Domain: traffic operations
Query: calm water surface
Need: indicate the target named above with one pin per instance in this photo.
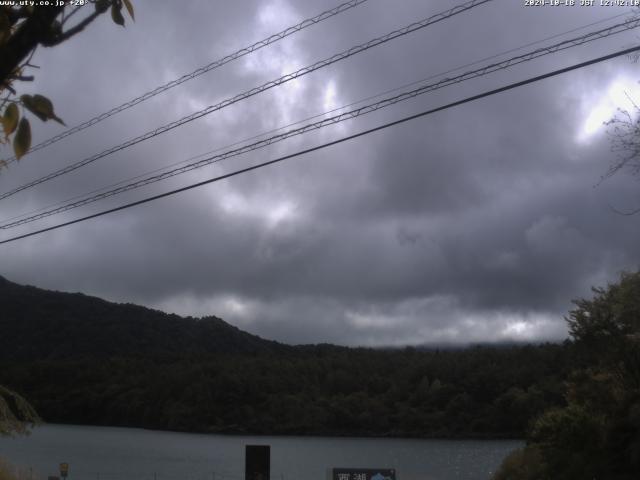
(105, 453)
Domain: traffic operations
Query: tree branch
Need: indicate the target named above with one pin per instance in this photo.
(73, 12)
(72, 31)
(31, 32)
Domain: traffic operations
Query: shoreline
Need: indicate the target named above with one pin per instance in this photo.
(235, 433)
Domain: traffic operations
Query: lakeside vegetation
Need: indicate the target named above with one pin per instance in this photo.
(83, 360)
(597, 434)
(577, 403)
(324, 390)
(11, 472)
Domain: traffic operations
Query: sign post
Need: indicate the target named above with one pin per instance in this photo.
(257, 462)
(64, 470)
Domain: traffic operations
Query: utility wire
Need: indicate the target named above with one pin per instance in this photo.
(334, 142)
(317, 115)
(256, 90)
(332, 120)
(196, 73)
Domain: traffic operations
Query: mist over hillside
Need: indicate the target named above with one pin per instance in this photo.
(84, 360)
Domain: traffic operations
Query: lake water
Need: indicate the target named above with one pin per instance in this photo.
(105, 453)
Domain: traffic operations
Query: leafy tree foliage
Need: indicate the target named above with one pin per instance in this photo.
(11, 472)
(522, 464)
(22, 29)
(16, 414)
(597, 435)
(306, 390)
(86, 361)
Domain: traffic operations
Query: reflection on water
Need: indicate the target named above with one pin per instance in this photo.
(105, 453)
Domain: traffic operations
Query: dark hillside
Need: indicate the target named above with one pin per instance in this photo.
(83, 360)
(47, 325)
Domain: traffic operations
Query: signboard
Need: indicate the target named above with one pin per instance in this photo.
(257, 462)
(363, 474)
(64, 470)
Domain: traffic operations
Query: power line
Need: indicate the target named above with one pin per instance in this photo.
(256, 90)
(333, 120)
(334, 142)
(540, 52)
(317, 115)
(199, 71)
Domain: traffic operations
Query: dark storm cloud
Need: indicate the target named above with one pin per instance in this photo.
(479, 223)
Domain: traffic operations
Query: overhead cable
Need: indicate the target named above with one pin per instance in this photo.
(366, 109)
(197, 72)
(328, 144)
(317, 115)
(256, 90)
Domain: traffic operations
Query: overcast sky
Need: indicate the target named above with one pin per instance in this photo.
(476, 224)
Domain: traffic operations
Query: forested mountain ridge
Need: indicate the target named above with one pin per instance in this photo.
(38, 324)
(83, 360)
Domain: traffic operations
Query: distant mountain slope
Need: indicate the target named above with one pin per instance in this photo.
(42, 324)
(83, 360)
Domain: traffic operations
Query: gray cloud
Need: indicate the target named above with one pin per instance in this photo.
(479, 223)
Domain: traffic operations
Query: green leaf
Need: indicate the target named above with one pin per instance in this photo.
(116, 14)
(59, 120)
(27, 101)
(41, 107)
(127, 3)
(22, 139)
(10, 119)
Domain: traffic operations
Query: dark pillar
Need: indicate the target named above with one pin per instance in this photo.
(257, 462)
